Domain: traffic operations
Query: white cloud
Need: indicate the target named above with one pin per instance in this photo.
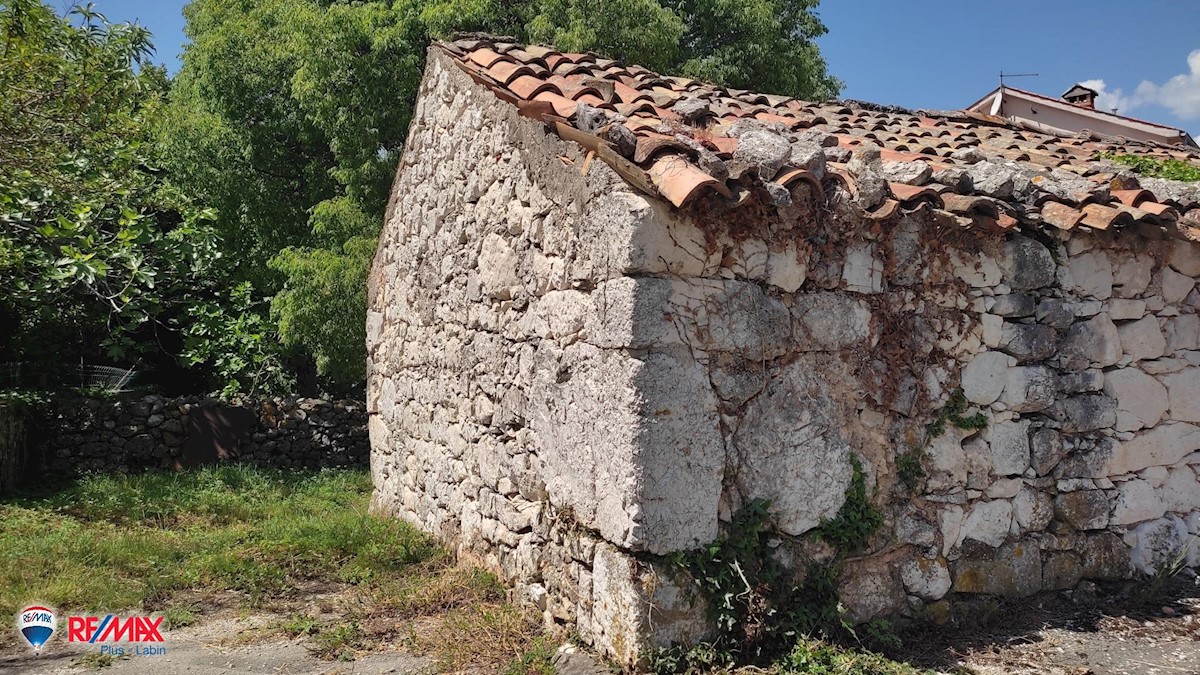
(1180, 94)
(1107, 99)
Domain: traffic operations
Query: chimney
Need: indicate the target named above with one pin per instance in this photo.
(1081, 96)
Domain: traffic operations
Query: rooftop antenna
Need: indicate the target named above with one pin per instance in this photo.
(1004, 75)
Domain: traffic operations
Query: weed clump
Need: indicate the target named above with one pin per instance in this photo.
(858, 518)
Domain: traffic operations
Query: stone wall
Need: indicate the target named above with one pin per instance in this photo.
(569, 380)
(131, 435)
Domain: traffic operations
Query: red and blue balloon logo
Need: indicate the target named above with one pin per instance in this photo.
(37, 625)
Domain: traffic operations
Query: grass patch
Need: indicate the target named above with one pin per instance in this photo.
(339, 643)
(95, 660)
(538, 659)
(815, 657)
(180, 616)
(299, 625)
(128, 542)
(492, 634)
(136, 543)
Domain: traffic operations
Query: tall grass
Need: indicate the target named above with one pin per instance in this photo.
(127, 542)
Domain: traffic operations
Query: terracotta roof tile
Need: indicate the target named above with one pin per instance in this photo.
(484, 56)
(550, 85)
(505, 72)
(1103, 217)
(563, 106)
(910, 194)
(678, 180)
(528, 86)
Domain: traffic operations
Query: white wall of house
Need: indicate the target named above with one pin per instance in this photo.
(1063, 116)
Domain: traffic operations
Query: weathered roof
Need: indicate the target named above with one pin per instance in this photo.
(679, 139)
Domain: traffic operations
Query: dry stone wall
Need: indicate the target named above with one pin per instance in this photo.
(132, 435)
(569, 381)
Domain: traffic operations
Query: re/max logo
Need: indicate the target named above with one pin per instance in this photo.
(92, 629)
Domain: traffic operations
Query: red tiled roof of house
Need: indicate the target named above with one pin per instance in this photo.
(678, 138)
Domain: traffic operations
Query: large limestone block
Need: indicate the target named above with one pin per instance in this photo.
(632, 313)
(983, 379)
(739, 318)
(988, 522)
(1183, 389)
(947, 462)
(1014, 571)
(1105, 557)
(928, 579)
(1142, 339)
(1014, 305)
(1026, 264)
(702, 315)
(1009, 443)
(795, 455)
(1082, 509)
(1045, 450)
(1181, 491)
(1141, 399)
(787, 268)
(951, 522)
(1095, 341)
(1157, 544)
(829, 321)
(870, 589)
(1032, 510)
(1131, 275)
(1029, 388)
(1060, 570)
(498, 268)
(1175, 286)
(681, 453)
(637, 607)
(977, 270)
(632, 446)
(556, 314)
(641, 237)
(1028, 342)
(1125, 310)
(1185, 258)
(1136, 501)
(1183, 332)
(1092, 275)
(862, 271)
(1088, 412)
(1163, 445)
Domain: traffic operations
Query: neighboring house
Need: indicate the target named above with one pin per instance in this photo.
(611, 309)
(1074, 112)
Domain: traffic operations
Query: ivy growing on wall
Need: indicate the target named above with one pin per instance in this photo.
(1156, 167)
(761, 607)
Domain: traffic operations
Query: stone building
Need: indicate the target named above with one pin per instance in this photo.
(610, 309)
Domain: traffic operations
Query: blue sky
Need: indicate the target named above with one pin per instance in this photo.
(947, 54)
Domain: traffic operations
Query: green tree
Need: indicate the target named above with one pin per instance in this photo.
(96, 247)
(289, 117)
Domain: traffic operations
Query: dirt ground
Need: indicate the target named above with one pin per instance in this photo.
(237, 645)
(1107, 632)
(1097, 631)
